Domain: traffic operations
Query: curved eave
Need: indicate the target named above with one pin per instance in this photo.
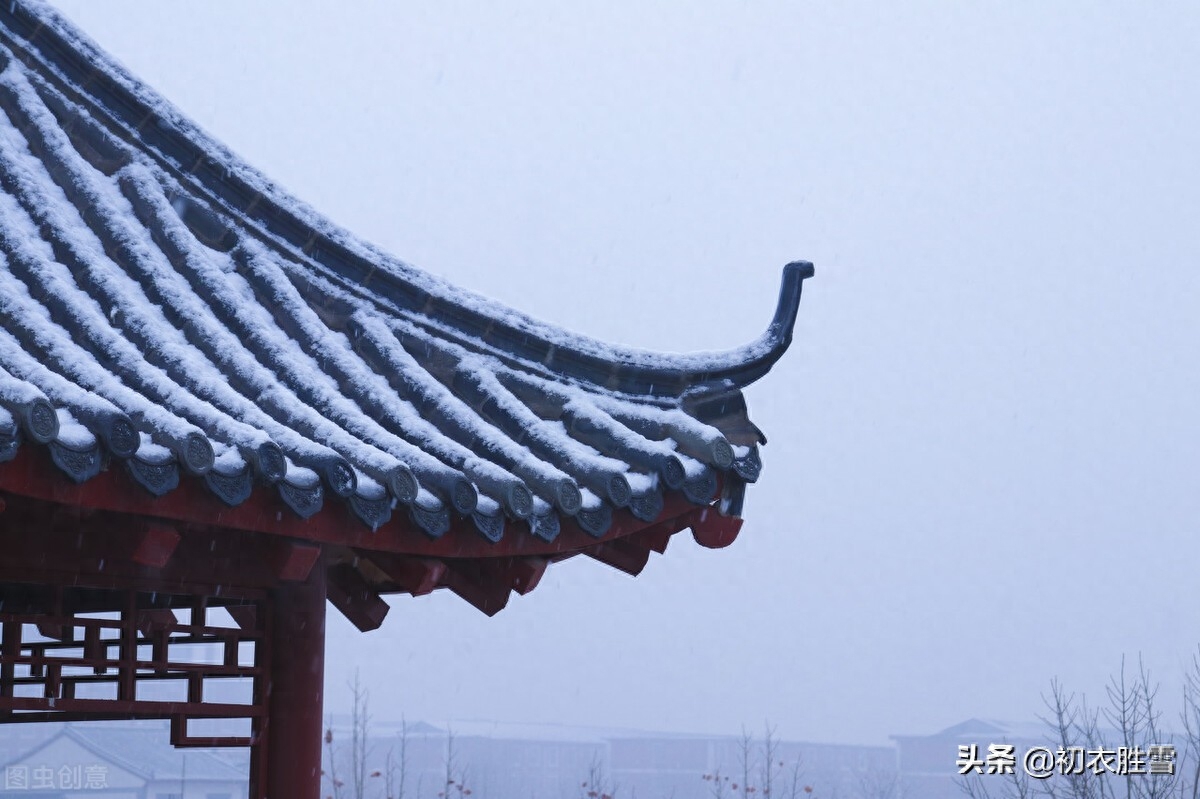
(29, 474)
(185, 344)
(93, 550)
(216, 176)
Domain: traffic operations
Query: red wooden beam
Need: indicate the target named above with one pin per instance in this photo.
(181, 739)
(293, 561)
(656, 536)
(487, 590)
(418, 576)
(355, 598)
(526, 573)
(32, 474)
(621, 554)
(155, 620)
(244, 616)
(57, 632)
(155, 546)
(122, 708)
(109, 549)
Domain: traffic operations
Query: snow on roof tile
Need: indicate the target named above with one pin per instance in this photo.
(167, 307)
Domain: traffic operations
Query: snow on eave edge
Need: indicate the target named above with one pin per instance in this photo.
(576, 357)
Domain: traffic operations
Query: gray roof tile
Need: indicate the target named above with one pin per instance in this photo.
(167, 307)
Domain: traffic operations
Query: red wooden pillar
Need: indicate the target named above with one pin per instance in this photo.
(295, 689)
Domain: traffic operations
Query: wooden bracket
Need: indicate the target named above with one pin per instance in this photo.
(486, 589)
(418, 576)
(621, 554)
(357, 601)
(526, 573)
(292, 561)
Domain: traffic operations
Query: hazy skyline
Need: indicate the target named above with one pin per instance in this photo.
(983, 444)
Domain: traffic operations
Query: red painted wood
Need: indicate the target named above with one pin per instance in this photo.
(357, 601)
(156, 546)
(244, 616)
(527, 573)
(32, 474)
(713, 530)
(110, 533)
(418, 576)
(295, 690)
(293, 561)
(69, 709)
(488, 589)
(621, 555)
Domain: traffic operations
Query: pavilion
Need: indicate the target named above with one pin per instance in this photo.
(215, 403)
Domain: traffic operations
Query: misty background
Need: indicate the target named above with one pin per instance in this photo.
(983, 444)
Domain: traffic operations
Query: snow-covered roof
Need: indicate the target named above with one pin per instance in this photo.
(169, 311)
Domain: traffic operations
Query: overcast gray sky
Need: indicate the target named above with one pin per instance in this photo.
(983, 445)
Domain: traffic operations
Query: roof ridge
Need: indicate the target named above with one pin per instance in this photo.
(169, 310)
(207, 167)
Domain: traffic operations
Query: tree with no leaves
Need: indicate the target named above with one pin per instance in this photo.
(359, 782)
(360, 719)
(597, 785)
(1130, 720)
(763, 772)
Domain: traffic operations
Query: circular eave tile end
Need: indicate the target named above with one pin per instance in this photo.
(122, 437)
(619, 490)
(464, 497)
(569, 498)
(403, 484)
(520, 501)
(722, 454)
(40, 421)
(196, 454)
(269, 462)
(673, 473)
(339, 475)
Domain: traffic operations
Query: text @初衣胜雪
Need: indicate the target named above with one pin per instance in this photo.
(1043, 762)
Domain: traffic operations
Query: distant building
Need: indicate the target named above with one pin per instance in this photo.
(212, 398)
(548, 761)
(113, 761)
(495, 760)
(927, 762)
(680, 766)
